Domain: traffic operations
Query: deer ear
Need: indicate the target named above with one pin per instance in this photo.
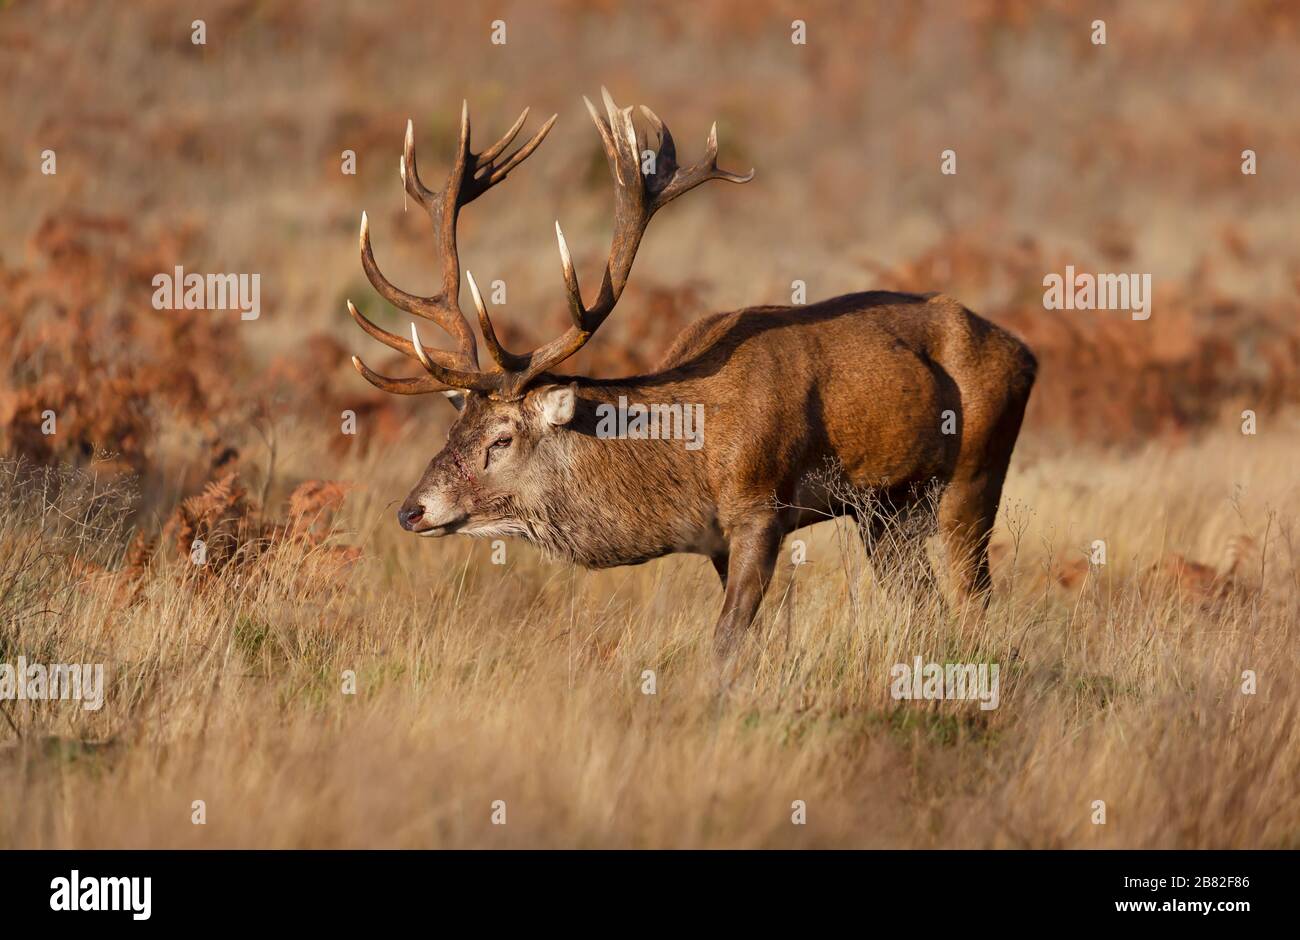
(457, 398)
(559, 402)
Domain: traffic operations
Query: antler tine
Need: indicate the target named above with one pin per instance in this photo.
(491, 153)
(576, 310)
(506, 361)
(452, 377)
(419, 385)
(522, 154)
(606, 138)
(621, 127)
(666, 161)
(410, 173)
(392, 341)
(685, 179)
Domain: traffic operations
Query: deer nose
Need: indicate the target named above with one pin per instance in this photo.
(408, 516)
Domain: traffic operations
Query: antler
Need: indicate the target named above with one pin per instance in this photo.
(472, 174)
(637, 197)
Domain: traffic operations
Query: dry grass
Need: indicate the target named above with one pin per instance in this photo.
(522, 682)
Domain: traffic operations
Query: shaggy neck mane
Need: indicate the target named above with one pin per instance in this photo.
(615, 501)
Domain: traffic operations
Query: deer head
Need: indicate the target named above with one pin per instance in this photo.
(513, 416)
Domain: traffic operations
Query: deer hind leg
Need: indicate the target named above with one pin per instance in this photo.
(754, 547)
(966, 516)
(969, 508)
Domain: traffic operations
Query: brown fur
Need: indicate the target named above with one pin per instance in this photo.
(859, 382)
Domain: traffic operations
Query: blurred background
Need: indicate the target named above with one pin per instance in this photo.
(522, 681)
(226, 157)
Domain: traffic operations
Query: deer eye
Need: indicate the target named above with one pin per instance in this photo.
(500, 444)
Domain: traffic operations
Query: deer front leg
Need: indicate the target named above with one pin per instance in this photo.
(754, 546)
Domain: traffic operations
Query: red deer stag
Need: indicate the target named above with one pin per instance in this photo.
(864, 382)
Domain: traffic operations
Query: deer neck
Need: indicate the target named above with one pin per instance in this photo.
(609, 499)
